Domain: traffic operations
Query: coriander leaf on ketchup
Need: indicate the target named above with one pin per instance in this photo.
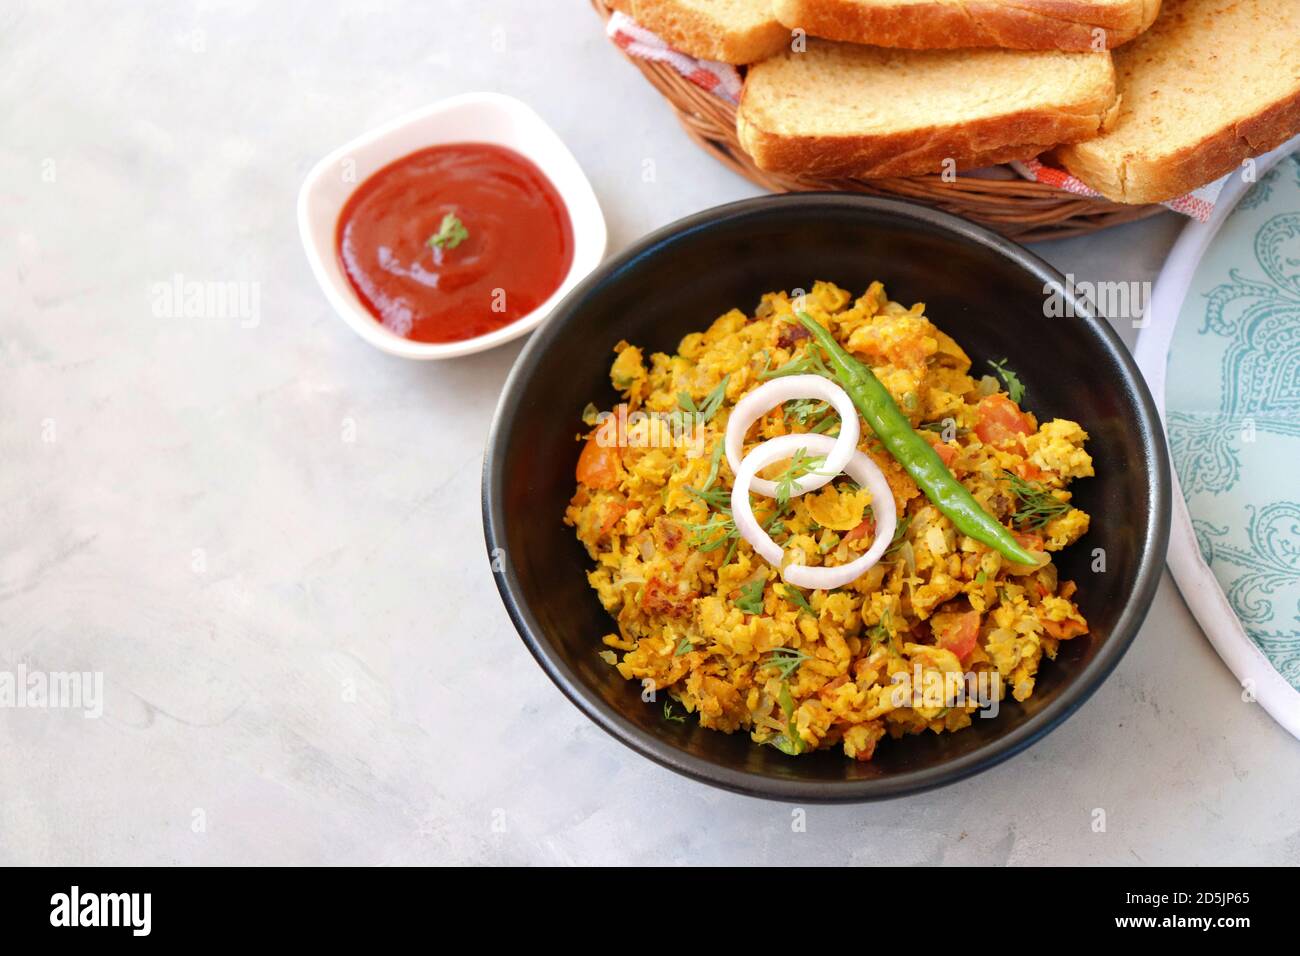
(450, 234)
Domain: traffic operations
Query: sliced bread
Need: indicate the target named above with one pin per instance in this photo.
(842, 109)
(1078, 25)
(1211, 84)
(732, 31)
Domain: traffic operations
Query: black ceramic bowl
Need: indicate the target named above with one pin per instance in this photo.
(985, 291)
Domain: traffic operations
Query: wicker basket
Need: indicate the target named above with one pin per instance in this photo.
(1024, 210)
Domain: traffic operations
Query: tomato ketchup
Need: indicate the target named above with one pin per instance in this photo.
(455, 241)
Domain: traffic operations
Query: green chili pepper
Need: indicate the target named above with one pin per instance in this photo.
(911, 450)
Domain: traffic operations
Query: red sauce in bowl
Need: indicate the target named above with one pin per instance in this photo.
(455, 241)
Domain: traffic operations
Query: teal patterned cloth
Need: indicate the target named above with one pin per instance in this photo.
(1233, 403)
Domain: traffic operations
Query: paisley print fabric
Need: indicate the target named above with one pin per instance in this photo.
(1234, 412)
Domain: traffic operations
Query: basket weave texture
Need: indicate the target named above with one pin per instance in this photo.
(1018, 208)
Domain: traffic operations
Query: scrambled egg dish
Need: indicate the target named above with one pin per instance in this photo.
(711, 626)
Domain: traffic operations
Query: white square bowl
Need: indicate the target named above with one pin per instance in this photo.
(470, 118)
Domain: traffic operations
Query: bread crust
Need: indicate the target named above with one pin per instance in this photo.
(1068, 25)
(694, 32)
(1148, 179)
(970, 144)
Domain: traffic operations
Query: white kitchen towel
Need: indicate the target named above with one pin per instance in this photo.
(720, 79)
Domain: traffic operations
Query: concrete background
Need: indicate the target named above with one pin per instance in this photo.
(303, 653)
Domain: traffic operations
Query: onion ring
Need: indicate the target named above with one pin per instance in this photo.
(771, 394)
(860, 468)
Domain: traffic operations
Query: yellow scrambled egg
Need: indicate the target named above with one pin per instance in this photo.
(941, 626)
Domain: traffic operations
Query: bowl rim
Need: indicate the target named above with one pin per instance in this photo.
(1150, 562)
(561, 169)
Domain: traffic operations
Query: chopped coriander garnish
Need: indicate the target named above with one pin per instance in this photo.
(719, 498)
(785, 660)
(714, 461)
(1038, 506)
(713, 400)
(801, 464)
(707, 408)
(810, 362)
(669, 715)
(795, 597)
(881, 633)
(1015, 388)
(451, 233)
(751, 596)
(683, 646)
(721, 528)
(774, 526)
(900, 532)
(713, 533)
(802, 410)
(815, 415)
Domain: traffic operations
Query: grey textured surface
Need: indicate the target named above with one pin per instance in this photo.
(304, 656)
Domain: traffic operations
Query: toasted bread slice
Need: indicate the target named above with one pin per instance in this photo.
(1211, 84)
(841, 109)
(1075, 25)
(732, 31)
